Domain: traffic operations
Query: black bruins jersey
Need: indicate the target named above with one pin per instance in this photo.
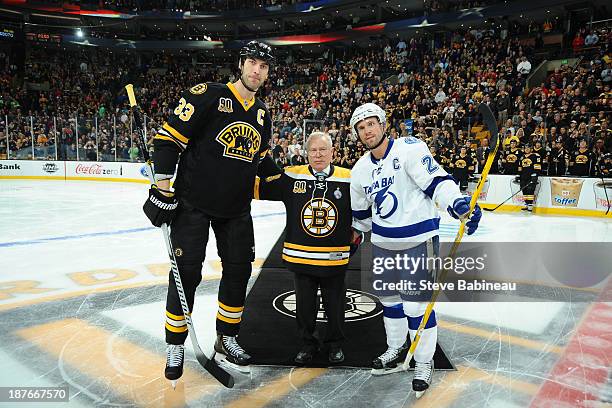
(511, 160)
(318, 231)
(221, 139)
(544, 155)
(581, 162)
(530, 164)
(462, 166)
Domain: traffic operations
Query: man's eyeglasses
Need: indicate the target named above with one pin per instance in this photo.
(322, 151)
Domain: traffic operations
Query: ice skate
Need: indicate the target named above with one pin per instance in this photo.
(388, 362)
(175, 357)
(230, 354)
(422, 377)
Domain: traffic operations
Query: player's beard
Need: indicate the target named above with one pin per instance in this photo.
(373, 145)
(245, 83)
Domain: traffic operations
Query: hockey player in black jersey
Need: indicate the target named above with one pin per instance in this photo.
(530, 167)
(220, 132)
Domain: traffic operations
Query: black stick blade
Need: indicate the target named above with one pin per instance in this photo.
(215, 370)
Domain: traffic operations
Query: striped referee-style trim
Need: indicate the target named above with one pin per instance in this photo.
(316, 262)
(316, 248)
(175, 323)
(167, 132)
(229, 314)
(316, 255)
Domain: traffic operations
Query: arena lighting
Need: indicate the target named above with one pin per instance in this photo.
(79, 33)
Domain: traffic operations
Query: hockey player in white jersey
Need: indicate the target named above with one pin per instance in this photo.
(394, 191)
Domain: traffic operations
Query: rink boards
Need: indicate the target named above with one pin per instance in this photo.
(554, 195)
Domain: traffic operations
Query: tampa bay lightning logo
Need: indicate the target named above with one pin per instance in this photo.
(144, 171)
(385, 203)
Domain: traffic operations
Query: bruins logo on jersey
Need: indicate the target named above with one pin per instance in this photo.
(511, 158)
(460, 164)
(319, 217)
(581, 159)
(199, 89)
(526, 163)
(241, 141)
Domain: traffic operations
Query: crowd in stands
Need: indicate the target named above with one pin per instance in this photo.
(172, 5)
(432, 94)
(193, 5)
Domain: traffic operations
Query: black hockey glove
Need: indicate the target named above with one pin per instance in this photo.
(159, 208)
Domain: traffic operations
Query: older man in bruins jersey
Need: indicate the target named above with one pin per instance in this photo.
(317, 241)
(221, 134)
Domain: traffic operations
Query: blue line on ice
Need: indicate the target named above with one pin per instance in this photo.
(98, 234)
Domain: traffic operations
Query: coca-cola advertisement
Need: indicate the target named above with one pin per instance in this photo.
(98, 169)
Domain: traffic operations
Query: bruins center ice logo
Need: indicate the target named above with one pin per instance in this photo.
(319, 217)
(359, 306)
(241, 141)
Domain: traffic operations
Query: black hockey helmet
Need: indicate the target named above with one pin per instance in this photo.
(259, 50)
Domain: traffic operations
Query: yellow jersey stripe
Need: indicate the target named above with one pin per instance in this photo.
(317, 262)
(176, 329)
(176, 142)
(228, 319)
(341, 172)
(316, 248)
(175, 317)
(243, 102)
(302, 169)
(262, 154)
(231, 308)
(272, 178)
(175, 133)
(256, 189)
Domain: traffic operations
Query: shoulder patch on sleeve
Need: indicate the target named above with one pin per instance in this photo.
(274, 177)
(411, 140)
(198, 89)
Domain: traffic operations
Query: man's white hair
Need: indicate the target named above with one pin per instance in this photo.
(320, 135)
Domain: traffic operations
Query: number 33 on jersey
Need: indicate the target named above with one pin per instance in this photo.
(221, 138)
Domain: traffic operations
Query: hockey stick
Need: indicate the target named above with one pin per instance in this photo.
(507, 199)
(208, 363)
(603, 183)
(489, 120)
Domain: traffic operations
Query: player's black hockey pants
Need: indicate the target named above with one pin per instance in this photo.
(528, 185)
(236, 248)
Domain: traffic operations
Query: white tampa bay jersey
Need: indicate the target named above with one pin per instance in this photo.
(395, 196)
